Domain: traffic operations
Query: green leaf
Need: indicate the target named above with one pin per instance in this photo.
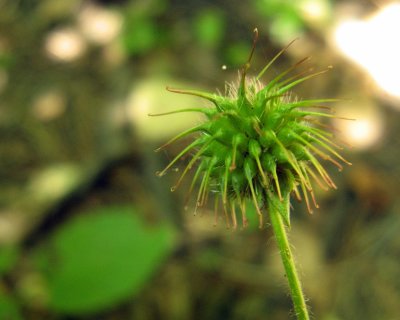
(284, 16)
(140, 36)
(209, 27)
(9, 308)
(100, 258)
(237, 53)
(8, 257)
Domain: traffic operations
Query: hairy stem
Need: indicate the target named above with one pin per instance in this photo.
(274, 207)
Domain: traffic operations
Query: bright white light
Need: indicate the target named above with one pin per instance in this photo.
(314, 9)
(359, 130)
(65, 45)
(363, 132)
(373, 43)
(99, 25)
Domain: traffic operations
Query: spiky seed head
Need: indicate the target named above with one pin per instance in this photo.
(258, 142)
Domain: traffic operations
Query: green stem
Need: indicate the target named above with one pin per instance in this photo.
(274, 207)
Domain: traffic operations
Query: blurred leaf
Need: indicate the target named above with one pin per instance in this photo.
(9, 308)
(98, 259)
(275, 8)
(8, 257)
(209, 26)
(237, 54)
(54, 182)
(150, 96)
(140, 35)
(287, 27)
(6, 60)
(285, 18)
(150, 7)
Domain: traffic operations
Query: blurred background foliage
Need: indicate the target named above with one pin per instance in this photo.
(87, 231)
